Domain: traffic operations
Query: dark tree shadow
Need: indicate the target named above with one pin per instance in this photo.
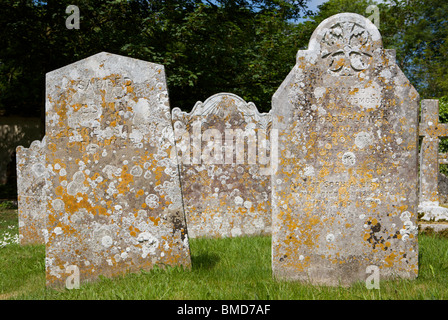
(204, 260)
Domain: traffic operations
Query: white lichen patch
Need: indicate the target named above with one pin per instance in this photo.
(363, 139)
(109, 169)
(152, 201)
(349, 159)
(364, 154)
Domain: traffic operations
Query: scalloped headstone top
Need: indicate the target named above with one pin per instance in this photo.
(220, 144)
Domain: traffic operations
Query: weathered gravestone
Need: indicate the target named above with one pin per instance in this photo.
(443, 180)
(345, 191)
(224, 153)
(431, 130)
(32, 192)
(115, 199)
(443, 188)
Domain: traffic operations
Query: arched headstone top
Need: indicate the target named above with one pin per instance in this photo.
(346, 43)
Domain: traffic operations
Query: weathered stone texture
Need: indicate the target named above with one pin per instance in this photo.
(345, 192)
(443, 188)
(32, 192)
(115, 199)
(431, 130)
(224, 153)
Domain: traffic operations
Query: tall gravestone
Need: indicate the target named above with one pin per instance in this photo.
(224, 152)
(345, 192)
(32, 192)
(115, 203)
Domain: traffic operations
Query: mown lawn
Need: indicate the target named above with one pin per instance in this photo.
(238, 268)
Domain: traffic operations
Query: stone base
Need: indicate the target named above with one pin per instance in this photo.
(436, 227)
(432, 211)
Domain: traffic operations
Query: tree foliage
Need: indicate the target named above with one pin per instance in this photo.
(246, 47)
(239, 46)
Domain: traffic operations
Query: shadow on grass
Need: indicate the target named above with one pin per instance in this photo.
(204, 261)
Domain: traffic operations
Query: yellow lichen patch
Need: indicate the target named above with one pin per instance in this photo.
(126, 181)
(155, 220)
(92, 140)
(59, 190)
(389, 259)
(52, 147)
(100, 210)
(139, 193)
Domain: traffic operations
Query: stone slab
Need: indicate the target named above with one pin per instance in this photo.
(224, 152)
(32, 192)
(345, 192)
(435, 227)
(115, 202)
(432, 211)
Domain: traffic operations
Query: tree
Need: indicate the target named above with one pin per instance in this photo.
(206, 46)
(418, 30)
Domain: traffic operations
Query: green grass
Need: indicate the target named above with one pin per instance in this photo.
(232, 268)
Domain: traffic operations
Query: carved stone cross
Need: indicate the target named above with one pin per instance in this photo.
(431, 130)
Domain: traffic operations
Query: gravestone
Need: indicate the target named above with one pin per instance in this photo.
(345, 192)
(443, 181)
(115, 203)
(431, 130)
(224, 153)
(31, 192)
(443, 188)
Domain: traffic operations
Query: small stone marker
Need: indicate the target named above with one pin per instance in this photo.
(431, 130)
(224, 152)
(31, 192)
(345, 192)
(115, 199)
